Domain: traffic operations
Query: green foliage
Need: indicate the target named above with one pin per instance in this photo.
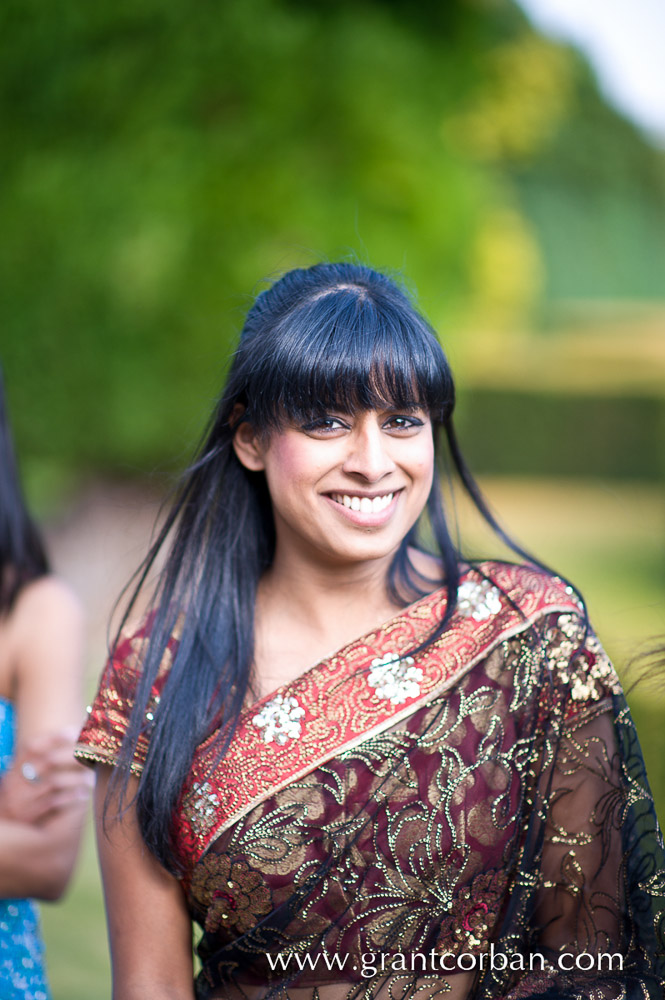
(159, 159)
(540, 434)
(598, 206)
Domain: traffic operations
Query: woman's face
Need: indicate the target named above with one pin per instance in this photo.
(347, 487)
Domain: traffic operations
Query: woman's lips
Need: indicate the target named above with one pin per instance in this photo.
(364, 504)
(363, 510)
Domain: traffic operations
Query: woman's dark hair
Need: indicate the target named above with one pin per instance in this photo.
(339, 337)
(22, 556)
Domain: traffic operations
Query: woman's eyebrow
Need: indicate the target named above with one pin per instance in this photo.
(410, 405)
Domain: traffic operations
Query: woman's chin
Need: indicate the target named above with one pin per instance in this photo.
(367, 549)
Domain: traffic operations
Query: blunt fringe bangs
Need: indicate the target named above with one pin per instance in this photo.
(354, 342)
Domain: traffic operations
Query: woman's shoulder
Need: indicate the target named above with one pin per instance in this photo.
(109, 714)
(527, 586)
(133, 640)
(557, 639)
(49, 600)
(44, 629)
(128, 656)
(491, 588)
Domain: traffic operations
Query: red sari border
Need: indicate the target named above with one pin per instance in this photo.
(341, 709)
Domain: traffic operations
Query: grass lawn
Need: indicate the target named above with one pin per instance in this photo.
(608, 538)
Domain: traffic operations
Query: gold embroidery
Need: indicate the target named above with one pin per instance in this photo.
(578, 661)
(234, 895)
(472, 914)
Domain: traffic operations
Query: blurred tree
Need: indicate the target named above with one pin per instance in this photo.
(157, 160)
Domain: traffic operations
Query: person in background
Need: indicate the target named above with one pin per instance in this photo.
(365, 765)
(43, 791)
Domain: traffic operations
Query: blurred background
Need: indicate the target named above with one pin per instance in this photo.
(161, 161)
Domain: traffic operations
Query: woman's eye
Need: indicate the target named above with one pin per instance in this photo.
(403, 423)
(323, 425)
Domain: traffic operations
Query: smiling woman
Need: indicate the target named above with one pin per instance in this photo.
(364, 767)
(368, 470)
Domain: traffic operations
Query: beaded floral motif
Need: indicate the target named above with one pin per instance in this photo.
(204, 804)
(586, 668)
(562, 640)
(280, 720)
(394, 679)
(472, 915)
(478, 600)
(591, 676)
(233, 893)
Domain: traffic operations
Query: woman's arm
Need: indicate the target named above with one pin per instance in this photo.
(37, 861)
(149, 928)
(41, 820)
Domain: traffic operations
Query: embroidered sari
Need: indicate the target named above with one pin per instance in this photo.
(470, 822)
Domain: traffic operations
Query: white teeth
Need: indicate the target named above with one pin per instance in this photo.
(364, 504)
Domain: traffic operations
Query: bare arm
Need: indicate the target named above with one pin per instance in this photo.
(149, 928)
(37, 861)
(41, 820)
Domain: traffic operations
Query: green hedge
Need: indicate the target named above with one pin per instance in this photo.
(554, 434)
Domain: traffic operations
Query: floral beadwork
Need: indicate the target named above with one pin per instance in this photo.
(472, 915)
(562, 640)
(280, 720)
(478, 600)
(234, 894)
(203, 806)
(591, 676)
(580, 662)
(394, 679)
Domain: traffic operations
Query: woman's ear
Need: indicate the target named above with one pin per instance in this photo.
(249, 447)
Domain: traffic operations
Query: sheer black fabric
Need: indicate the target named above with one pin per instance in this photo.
(501, 842)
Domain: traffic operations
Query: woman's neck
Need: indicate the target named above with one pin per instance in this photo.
(318, 595)
(304, 614)
(306, 610)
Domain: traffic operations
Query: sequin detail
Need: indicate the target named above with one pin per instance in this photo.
(280, 720)
(394, 679)
(234, 894)
(472, 915)
(585, 669)
(203, 805)
(478, 600)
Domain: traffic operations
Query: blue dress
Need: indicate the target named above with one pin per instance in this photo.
(22, 975)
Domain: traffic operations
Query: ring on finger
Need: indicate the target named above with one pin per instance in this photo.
(29, 771)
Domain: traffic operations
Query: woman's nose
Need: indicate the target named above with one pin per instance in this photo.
(369, 454)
